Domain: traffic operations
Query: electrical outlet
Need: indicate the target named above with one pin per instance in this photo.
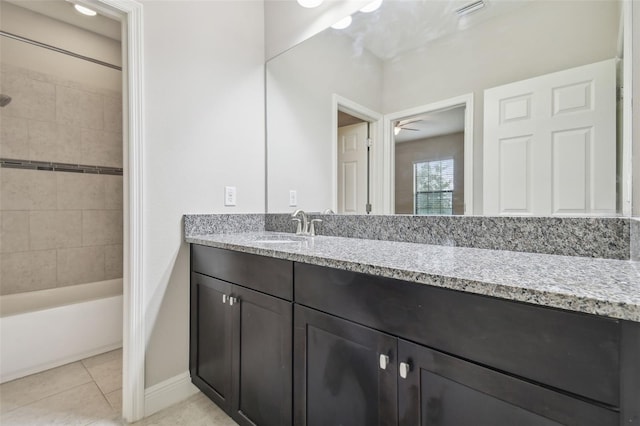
(293, 198)
(229, 195)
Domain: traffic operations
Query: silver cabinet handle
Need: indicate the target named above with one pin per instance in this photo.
(232, 300)
(384, 361)
(224, 298)
(404, 369)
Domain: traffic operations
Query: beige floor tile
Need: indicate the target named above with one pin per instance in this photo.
(106, 370)
(30, 389)
(81, 405)
(115, 399)
(198, 410)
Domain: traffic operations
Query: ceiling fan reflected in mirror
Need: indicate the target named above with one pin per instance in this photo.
(401, 125)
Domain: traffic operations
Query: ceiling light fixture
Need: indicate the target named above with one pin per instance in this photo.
(309, 4)
(471, 7)
(343, 23)
(85, 10)
(374, 5)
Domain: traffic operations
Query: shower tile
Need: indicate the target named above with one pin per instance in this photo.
(24, 391)
(14, 231)
(49, 141)
(80, 191)
(106, 370)
(79, 108)
(112, 192)
(31, 98)
(113, 261)
(55, 229)
(113, 114)
(100, 227)
(80, 265)
(81, 405)
(13, 137)
(27, 271)
(101, 148)
(68, 145)
(42, 140)
(27, 189)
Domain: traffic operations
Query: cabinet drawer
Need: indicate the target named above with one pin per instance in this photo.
(574, 352)
(264, 274)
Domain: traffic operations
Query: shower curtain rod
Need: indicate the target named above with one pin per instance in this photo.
(57, 49)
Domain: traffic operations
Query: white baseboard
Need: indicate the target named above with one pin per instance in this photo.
(168, 392)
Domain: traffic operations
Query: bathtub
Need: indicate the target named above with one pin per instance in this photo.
(43, 329)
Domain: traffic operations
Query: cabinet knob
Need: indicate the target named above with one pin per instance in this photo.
(232, 300)
(384, 361)
(224, 298)
(404, 369)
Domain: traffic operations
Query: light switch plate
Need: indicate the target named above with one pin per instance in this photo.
(293, 198)
(229, 195)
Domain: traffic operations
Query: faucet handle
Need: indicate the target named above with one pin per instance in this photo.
(299, 226)
(312, 226)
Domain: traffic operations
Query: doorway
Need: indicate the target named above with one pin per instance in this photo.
(355, 157)
(429, 159)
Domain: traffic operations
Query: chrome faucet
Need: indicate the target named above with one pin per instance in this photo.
(303, 222)
(305, 226)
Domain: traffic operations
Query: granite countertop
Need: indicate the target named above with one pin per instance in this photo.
(596, 286)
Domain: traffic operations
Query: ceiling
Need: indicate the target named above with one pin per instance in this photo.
(432, 124)
(64, 11)
(398, 26)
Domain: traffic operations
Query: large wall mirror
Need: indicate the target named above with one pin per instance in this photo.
(455, 107)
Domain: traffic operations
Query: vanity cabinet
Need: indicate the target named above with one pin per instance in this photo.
(458, 358)
(339, 347)
(241, 339)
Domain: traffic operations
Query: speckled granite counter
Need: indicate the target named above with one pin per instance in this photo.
(596, 286)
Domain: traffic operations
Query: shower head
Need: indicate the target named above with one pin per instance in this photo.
(4, 100)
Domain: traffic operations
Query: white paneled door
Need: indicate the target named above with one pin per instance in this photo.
(352, 169)
(550, 144)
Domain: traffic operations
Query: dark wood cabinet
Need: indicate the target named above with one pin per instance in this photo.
(334, 347)
(438, 389)
(211, 333)
(241, 348)
(339, 376)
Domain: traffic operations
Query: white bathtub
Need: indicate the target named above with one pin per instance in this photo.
(48, 328)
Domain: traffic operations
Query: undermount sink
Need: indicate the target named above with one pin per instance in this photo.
(280, 239)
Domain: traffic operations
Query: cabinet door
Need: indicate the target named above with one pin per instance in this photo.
(338, 375)
(261, 360)
(210, 352)
(446, 391)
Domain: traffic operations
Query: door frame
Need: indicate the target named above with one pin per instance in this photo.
(129, 13)
(340, 103)
(389, 160)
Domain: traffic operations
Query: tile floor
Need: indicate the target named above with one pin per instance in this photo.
(89, 392)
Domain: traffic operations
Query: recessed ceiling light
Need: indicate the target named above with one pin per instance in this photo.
(85, 10)
(471, 7)
(310, 3)
(343, 23)
(374, 5)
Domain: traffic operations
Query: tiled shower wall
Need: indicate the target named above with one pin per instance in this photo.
(59, 228)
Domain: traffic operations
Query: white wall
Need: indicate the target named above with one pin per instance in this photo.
(300, 86)
(204, 129)
(636, 109)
